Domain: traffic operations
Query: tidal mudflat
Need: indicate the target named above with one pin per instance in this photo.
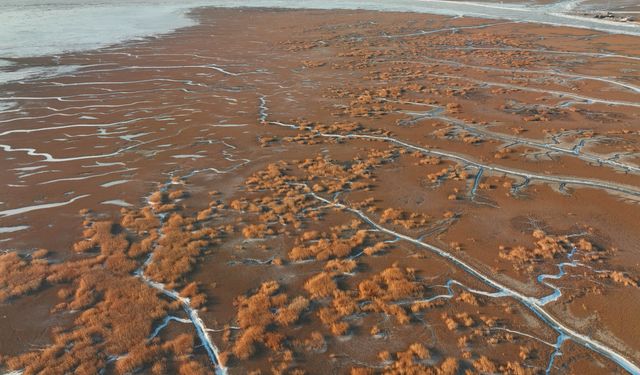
(325, 191)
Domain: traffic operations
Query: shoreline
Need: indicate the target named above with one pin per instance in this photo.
(534, 14)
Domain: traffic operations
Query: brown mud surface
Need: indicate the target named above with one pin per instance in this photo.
(352, 192)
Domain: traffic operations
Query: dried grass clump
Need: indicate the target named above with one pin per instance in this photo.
(365, 106)
(257, 231)
(194, 368)
(156, 356)
(20, 275)
(392, 284)
(449, 322)
(205, 214)
(177, 249)
(182, 345)
(344, 303)
(290, 313)
(339, 328)
(177, 194)
(415, 353)
(255, 310)
(284, 205)
(619, 278)
(331, 319)
(196, 299)
(469, 139)
(503, 153)
(469, 298)
(339, 127)
(465, 320)
(288, 205)
(449, 366)
(239, 205)
(267, 140)
(259, 314)
(138, 356)
(115, 310)
(425, 305)
(414, 361)
(158, 197)
(330, 245)
(453, 108)
(144, 246)
(320, 286)
(140, 221)
(400, 217)
(117, 315)
(450, 173)
(273, 177)
(340, 266)
(245, 346)
(111, 240)
(396, 311)
(391, 214)
(547, 247)
(315, 343)
(40, 254)
(584, 245)
(332, 176)
(378, 294)
(425, 159)
(375, 249)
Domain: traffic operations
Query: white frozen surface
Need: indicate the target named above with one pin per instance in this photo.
(35, 72)
(38, 28)
(13, 229)
(118, 202)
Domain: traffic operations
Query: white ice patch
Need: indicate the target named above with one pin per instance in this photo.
(13, 229)
(27, 169)
(37, 28)
(189, 156)
(131, 137)
(5, 63)
(114, 183)
(5, 106)
(118, 202)
(23, 210)
(33, 72)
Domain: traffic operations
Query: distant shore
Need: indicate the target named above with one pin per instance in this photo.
(28, 29)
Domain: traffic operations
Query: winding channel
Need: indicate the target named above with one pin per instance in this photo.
(535, 305)
(437, 114)
(194, 318)
(631, 191)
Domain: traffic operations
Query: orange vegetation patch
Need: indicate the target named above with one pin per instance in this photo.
(330, 245)
(258, 316)
(115, 311)
(177, 248)
(403, 218)
(548, 247)
(20, 275)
